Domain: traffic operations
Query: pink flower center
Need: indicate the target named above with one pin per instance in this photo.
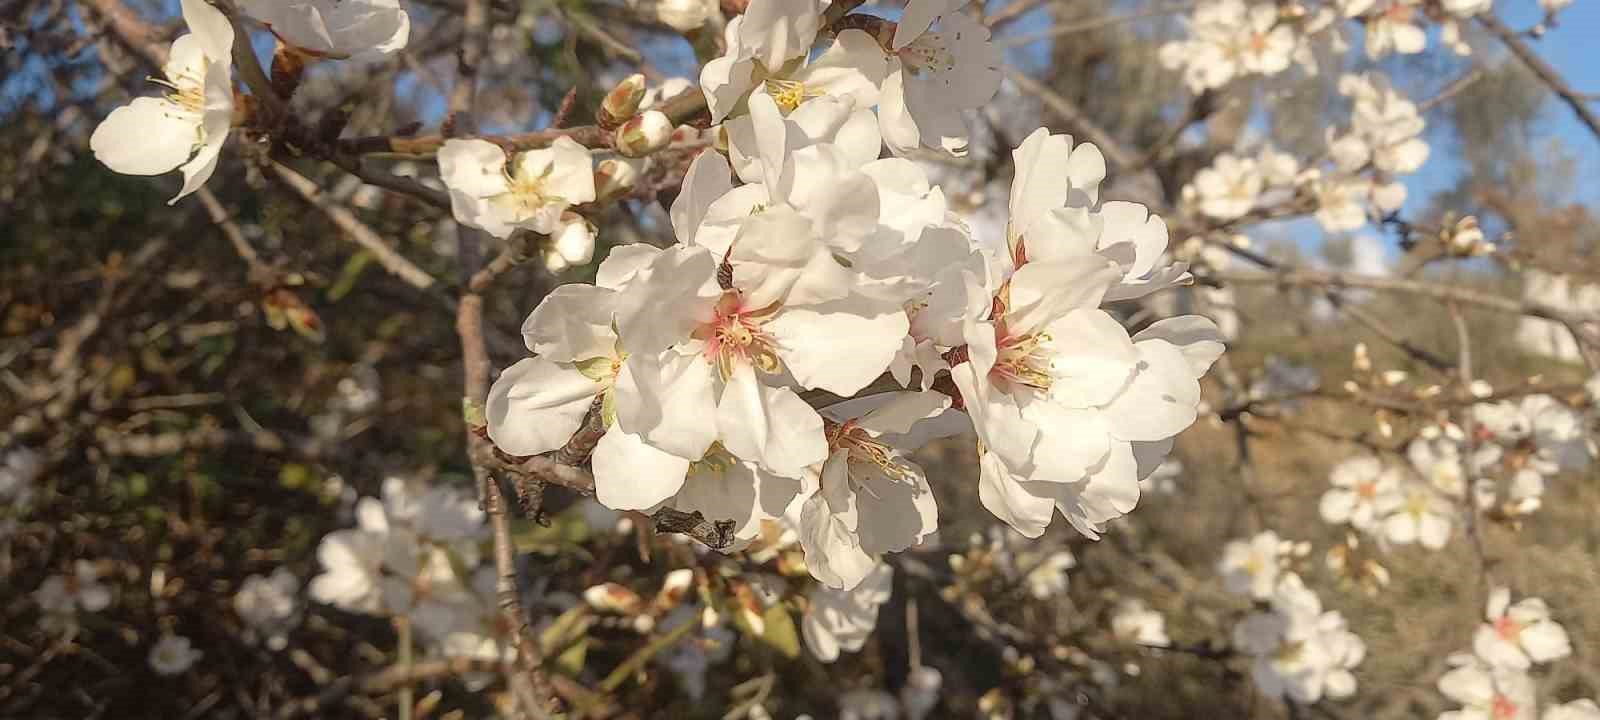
(1501, 708)
(1507, 628)
(737, 334)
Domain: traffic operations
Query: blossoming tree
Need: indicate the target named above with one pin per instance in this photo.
(817, 341)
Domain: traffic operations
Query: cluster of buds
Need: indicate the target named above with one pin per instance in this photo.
(1464, 238)
(635, 134)
(1355, 567)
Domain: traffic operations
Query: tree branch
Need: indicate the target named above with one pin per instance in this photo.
(1542, 69)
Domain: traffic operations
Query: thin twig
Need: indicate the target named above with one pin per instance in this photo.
(1116, 155)
(1543, 70)
(1465, 296)
(352, 226)
(1098, 23)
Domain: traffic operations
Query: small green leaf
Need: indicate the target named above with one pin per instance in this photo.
(348, 277)
(472, 413)
(571, 661)
(294, 476)
(598, 369)
(780, 632)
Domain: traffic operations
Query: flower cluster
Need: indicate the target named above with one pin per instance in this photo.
(1300, 652)
(1382, 143)
(1492, 681)
(1229, 39)
(806, 264)
(185, 128)
(20, 468)
(416, 554)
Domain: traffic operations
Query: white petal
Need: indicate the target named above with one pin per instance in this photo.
(769, 426)
(572, 323)
(841, 346)
(708, 178)
(149, 136)
(629, 474)
(668, 399)
(535, 406)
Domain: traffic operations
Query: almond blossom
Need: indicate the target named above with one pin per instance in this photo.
(1231, 38)
(1386, 127)
(1392, 25)
(1056, 420)
(840, 620)
(268, 606)
(768, 51)
(1518, 635)
(1362, 488)
(61, 597)
(936, 75)
(173, 655)
(529, 190)
(186, 127)
(1301, 652)
(1584, 709)
(1418, 514)
(1252, 567)
(1487, 692)
(1134, 622)
(334, 28)
(1227, 189)
(870, 499)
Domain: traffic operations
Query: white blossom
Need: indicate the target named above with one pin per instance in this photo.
(1228, 188)
(1418, 514)
(1584, 709)
(1134, 622)
(173, 655)
(334, 28)
(933, 76)
(60, 597)
(768, 51)
(1251, 567)
(1392, 25)
(528, 190)
(1074, 424)
(1362, 488)
(268, 605)
(841, 620)
(1518, 635)
(1486, 692)
(1048, 576)
(1301, 652)
(185, 128)
(870, 500)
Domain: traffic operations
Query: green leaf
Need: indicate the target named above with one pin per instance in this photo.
(597, 369)
(348, 277)
(294, 476)
(472, 413)
(571, 661)
(780, 633)
(568, 531)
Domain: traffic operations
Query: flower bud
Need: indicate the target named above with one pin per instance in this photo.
(574, 240)
(622, 103)
(644, 134)
(614, 178)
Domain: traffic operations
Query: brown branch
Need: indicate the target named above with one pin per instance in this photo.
(352, 226)
(1116, 155)
(1543, 70)
(261, 274)
(1443, 293)
(684, 108)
